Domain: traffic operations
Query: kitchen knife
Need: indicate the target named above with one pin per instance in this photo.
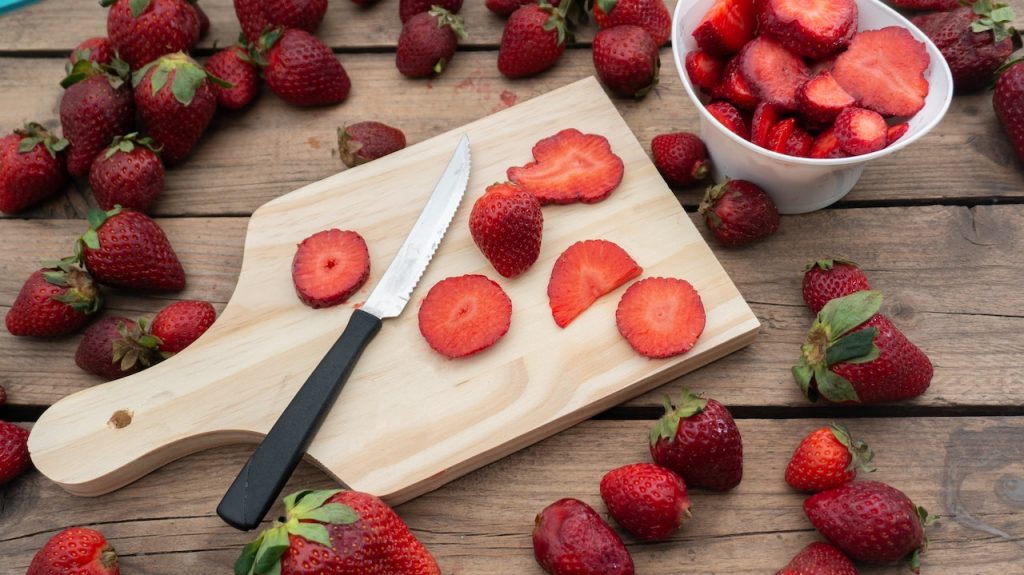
(264, 475)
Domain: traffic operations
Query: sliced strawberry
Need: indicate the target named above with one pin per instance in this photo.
(826, 145)
(329, 266)
(884, 71)
(703, 69)
(822, 98)
(584, 272)
(860, 131)
(570, 167)
(778, 137)
(734, 87)
(765, 117)
(773, 72)
(730, 117)
(660, 317)
(464, 315)
(799, 143)
(811, 28)
(726, 27)
(896, 132)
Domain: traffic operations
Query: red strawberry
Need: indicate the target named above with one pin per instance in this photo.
(648, 500)
(698, 439)
(181, 323)
(1008, 102)
(774, 73)
(31, 168)
(259, 16)
(337, 532)
(828, 457)
(729, 117)
(819, 559)
(143, 30)
(506, 7)
(799, 143)
(506, 224)
(826, 145)
(584, 272)
(570, 538)
(533, 41)
(822, 98)
(884, 71)
(815, 29)
(975, 42)
(97, 49)
(626, 60)
(681, 158)
(96, 106)
(53, 301)
(301, 70)
(704, 70)
(765, 117)
(129, 173)
(871, 522)
(409, 8)
(860, 131)
(854, 354)
(570, 167)
(778, 136)
(234, 66)
(77, 551)
(651, 15)
(831, 278)
(329, 267)
(174, 96)
(726, 27)
(14, 458)
(464, 315)
(660, 317)
(895, 132)
(364, 141)
(114, 347)
(739, 212)
(428, 42)
(126, 249)
(735, 88)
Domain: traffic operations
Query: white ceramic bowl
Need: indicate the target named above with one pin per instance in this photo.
(801, 185)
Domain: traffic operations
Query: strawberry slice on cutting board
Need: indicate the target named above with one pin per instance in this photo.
(583, 273)
(570, 167)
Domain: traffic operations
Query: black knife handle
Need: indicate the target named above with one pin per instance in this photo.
(268, 469)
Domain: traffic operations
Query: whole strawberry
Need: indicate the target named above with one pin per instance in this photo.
(180, 324)
(340, 533)
(854, 354)
(96, 106)
(114, 347)
(300, 69)
(259, 16)
(533, 41)
(506, 224)
(364, 141)
(698, 439)
(830, 278)
(409, 8)
(428, 42)
(143, 30)
(739, 212)
(174, 96)
(828, 457)
(1008, 102)
(507, 7)
(570, 538)
(648, 500)
(974, 40)
(234, 66)
(126, 249)
(129, 173)
(97, 49)
(77, 551)
(681, 158)
(651, 15)
(626, 60)
(871, 522)
(14, 458)
(32, 168)
(819, 559)
(54, 301)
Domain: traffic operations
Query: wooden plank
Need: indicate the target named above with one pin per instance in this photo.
(964, 469)
(951, 276)
(252, 157)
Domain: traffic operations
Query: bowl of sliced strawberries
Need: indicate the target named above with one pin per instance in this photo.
(799, 95)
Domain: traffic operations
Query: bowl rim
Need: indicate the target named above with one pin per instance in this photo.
(937, 63)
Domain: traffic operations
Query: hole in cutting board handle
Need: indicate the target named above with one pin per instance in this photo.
(122, 418)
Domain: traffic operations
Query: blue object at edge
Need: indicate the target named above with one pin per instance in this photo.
(8, 5)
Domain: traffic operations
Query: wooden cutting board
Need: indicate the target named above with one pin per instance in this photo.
(409, 420)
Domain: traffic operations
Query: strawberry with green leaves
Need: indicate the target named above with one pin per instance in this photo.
(54, 301)
(181, 323)
(533, 40)
(301, 69)
(32, 167)
(258, 16)
(234, 66)
(98, 49)
(830, 278)
(75, 551)
(409, 8)
(428, 42)
(129, 173)
(96, 106)
(651, 15)
(143, 30)
(126, 249)
(114, 347)
(699, 440)
(828, 457)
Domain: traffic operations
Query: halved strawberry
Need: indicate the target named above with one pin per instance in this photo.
(822, 98)
(464, 315)
(703, 69)
(773, 72)
(730, 117)
(860, 131)
(799, 143)
(778, 137)
(584, 272)
(826, 145)
(726, 27)
(896, 132)
(811, 28)
(660, 317)
(330, 266)
(884, 71)
(765, 117)
(570, 167)
(734, 87)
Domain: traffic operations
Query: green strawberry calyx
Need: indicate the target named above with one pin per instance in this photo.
(259, 50)
(116, 72)
(307, 515)
(687, 406)
(137, 6)
(860, 454)
(137, 344)
(557, 21)
(34, 134)
(453, 21)
(707, 204)
(82, 294)
(826, 264)
(349, 148)
(996, 18)
(926, 521)
(91, 239)
(127, 143)
(188, 77)
(830, 342)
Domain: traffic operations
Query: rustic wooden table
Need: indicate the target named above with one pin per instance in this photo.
(939, 227)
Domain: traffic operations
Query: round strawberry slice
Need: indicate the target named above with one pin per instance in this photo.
(330, 266)
(772, 71)
(584, 272)
(464, 315)
(860, 131)
(660, 317)
(812, 28)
